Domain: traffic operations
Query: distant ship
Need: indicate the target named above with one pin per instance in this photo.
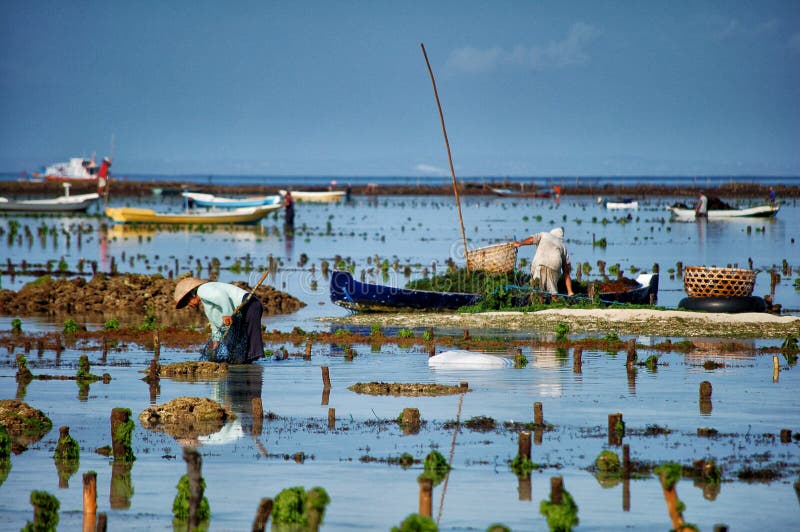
(77, 169)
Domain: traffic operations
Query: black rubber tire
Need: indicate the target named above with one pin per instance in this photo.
(731, 305)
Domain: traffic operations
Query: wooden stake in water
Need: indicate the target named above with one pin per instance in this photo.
(331, 418)
(262, 515)
(614, 435)
(258, 415)
(326, 378)
(425, 496)
(89, 501)
(525, 445)
(194, 464)
(538, 414)
(556, 490)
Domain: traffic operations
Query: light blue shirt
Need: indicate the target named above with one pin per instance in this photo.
(219, 299)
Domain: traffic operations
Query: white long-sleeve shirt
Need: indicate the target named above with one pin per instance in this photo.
(219, 299)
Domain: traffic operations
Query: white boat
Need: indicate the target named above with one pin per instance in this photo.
(65, 203)
(315, 195)
(759, 211)
(209, 200)
(76, 169)
(626, 203)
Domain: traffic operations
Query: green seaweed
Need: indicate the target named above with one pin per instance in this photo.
(560, 517)
(180, 505)
(522, 466)
(416, 523)
(45, 513)
(124, 435)
(5, 443)
(436, 467)
(289, 506)
(670, 474)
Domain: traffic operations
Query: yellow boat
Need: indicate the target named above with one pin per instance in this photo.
(244, 215)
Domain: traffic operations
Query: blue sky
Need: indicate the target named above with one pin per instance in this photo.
(528, 88)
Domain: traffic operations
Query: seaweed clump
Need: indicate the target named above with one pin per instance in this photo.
(296, 506)
(561, 517)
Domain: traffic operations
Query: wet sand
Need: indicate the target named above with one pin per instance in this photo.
(627, 321)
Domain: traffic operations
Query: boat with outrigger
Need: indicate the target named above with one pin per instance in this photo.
(360, 296)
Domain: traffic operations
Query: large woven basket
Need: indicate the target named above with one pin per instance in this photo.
(497, 258)
(704, 281)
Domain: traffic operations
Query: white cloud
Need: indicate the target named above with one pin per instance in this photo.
(569, 51)
(427, 169)
(723, 28)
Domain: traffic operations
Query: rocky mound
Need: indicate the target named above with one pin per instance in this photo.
(187, 417)
(134, 296)
(25, 424)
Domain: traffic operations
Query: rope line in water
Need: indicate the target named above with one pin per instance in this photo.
(450, 459)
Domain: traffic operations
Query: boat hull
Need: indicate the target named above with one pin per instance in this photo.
(210, 200)
(508, 193)
(640, 295)
(345, 291)
(76, 203)
(316, 196)
(249, 215)
(760, 211)
(613, 205)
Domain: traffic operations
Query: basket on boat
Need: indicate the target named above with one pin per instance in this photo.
(497, 258)
(704, 281)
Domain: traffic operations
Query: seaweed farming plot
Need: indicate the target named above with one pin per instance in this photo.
(360, 450)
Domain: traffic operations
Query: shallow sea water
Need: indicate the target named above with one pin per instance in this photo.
(241, 467)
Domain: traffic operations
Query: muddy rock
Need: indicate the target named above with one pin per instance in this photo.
(191, 371)
(187, 418)
(129, 298)
(25, 424)
(405, 389)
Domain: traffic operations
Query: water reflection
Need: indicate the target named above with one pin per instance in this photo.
(237, 390)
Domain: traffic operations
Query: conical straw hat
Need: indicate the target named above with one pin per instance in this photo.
(184, 288)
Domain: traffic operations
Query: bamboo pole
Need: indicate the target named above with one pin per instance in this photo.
(449, 155)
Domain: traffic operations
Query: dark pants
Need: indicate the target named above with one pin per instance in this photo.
(252, 312)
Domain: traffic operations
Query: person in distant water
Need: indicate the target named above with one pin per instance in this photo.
(550, 260)
(102, 175)
(219, 301)
(771, 196)
(701, 209)
(288, 208)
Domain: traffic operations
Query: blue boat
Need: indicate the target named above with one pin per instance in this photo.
(201, 199)
(366, 297)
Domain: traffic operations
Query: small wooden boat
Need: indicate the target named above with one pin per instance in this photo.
(759, 211)
(354, 295)
(209, 200)
(243, 215)
(316, 195)
(509, 193)
(65, 203)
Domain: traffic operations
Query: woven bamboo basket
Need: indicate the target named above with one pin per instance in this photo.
(704, 281)
(497, 258)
